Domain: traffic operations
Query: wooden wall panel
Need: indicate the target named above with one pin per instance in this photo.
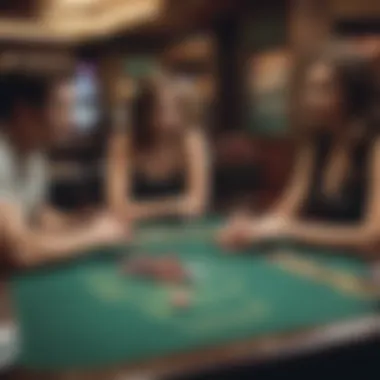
(36, 58)
(356, 9)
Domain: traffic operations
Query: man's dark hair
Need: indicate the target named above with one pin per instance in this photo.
(22, 89)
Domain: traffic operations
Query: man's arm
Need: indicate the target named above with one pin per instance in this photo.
(28, 246)
(51, 219)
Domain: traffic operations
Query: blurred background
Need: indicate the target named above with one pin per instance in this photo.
(242, 56)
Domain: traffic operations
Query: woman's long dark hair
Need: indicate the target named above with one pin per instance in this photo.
(356, 80)
(143, 109)
(146, 103)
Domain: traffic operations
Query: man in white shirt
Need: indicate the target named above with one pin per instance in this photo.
(33, 110)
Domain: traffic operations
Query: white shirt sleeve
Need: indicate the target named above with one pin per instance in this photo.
(38, 182)
(26, 185)
(8, 191)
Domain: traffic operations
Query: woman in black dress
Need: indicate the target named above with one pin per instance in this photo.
(333, 198)
(158, 160)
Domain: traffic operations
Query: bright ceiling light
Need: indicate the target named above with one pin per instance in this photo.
(75, 3)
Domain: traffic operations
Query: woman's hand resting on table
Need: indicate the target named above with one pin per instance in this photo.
(243, 231)
(237, 234)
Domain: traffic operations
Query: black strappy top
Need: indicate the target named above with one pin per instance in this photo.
(349, 203)
(146, 188)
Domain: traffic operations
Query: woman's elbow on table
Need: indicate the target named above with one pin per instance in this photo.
(369, 239)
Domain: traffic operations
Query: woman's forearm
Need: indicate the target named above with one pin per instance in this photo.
(39, 247)
(51, 220)
(294, 195)
(331, 235)
(286, 211)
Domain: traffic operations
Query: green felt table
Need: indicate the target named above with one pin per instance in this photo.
(87, 315)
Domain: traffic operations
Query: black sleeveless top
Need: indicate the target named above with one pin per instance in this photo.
(349, 202)
(146, 188)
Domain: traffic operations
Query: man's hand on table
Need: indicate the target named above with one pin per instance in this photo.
(109, 229)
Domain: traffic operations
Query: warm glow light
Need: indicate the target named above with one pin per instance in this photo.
(62, 21)
(124, 15)
(75, 2)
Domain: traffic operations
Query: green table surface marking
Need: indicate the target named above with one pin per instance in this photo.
(86, 314)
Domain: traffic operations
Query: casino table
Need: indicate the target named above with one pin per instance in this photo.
(86, 316)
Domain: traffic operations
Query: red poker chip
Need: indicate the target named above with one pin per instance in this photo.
(167, 269)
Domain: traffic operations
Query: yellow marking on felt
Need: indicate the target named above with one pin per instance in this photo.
(106, 286)
(158, 304)
(253, 312)
(211, 294)
(342, 281)
(348, 283)
(108, 291)
(299, 265)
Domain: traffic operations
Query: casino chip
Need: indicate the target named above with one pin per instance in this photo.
(166, 269)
